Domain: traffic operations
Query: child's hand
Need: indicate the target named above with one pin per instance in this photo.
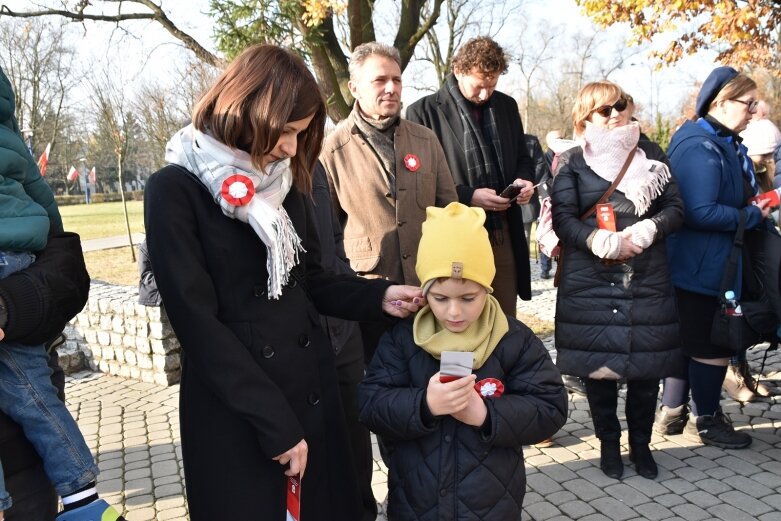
(450, 397)
(474, 413)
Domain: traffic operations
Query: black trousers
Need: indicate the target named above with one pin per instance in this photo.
(640, 408)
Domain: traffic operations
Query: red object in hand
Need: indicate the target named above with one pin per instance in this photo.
(489, 388)
(293, 498)
(772, 197)
(606, 217)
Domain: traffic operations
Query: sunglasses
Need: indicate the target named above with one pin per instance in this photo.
(606, 110)
(752, 105)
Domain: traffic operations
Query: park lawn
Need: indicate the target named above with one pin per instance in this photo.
(98, 220)
(114, 265)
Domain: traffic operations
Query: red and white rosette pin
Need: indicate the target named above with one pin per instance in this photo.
(489, 388)
(412, 162)
(237, 189)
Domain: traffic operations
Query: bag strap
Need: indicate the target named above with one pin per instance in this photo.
(731, 267)
(612, 187)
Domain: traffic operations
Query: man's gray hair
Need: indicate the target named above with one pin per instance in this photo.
(363, 51)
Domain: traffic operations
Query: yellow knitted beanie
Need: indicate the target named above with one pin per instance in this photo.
(455, 245)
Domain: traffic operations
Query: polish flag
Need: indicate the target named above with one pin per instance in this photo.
(73, 174)
(92, 176)
(43, 161)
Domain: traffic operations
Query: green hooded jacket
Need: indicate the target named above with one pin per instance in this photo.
(27, 206)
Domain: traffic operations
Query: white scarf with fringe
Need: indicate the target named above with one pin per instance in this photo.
(605, 152)
(212, 163)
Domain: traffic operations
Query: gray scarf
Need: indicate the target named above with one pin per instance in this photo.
(225, 172)
(379, 134)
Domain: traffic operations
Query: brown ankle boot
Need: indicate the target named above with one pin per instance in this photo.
(736, 385)
(752, 383)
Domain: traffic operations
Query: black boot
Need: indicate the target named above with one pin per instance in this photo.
(640, 455)
(610, 459)
(602, 400)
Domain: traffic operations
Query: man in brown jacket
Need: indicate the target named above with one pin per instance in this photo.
(383, 171)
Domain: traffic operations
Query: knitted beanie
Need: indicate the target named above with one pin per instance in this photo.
(761, 137)
(455, 245)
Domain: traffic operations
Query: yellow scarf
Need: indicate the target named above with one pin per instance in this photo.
(480, 338)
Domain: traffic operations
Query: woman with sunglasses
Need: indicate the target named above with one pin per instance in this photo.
(615, 309)
(716, 178)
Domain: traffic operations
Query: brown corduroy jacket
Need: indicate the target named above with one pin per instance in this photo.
(381, 233)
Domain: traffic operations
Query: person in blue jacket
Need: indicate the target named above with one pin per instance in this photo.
(716, 178)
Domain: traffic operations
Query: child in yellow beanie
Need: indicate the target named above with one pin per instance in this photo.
(454, 448)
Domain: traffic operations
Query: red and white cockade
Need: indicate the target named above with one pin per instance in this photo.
(412, 162)
(238, 189)
(490, 388)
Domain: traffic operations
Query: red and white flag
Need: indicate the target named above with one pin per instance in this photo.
(43, 161)
(92, 176)
(73, 174)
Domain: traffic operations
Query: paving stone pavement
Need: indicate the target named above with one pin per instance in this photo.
(133, 429)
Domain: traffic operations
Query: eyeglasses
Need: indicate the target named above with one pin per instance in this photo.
(752, 105)
(606, 110)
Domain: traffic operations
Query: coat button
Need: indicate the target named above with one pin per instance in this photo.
(388, 194)
(293, 283)
(405, 256)
(313, 398)
(401, 223)
(448, 438)
(443, 492)
(267, 351)
(615, 311)
(259, 291)
(612, 283)
(303, 341)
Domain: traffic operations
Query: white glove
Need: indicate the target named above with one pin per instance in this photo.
(643, 232)
(605, 244)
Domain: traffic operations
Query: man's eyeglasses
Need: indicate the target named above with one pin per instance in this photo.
(752, 105)
(606, 110)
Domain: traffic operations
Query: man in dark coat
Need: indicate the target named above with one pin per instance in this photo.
(482, 135)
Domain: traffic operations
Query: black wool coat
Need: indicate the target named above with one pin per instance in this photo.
(257, 374)
(622, 316)
(439, 112)
(441, 469)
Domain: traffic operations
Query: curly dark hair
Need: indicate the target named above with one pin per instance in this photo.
(481, 53)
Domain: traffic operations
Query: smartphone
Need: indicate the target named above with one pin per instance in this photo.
(511, 192)
(454, 365)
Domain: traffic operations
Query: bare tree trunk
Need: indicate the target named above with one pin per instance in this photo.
(120, 160)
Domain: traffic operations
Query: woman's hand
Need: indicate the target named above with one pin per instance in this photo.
(487, 199)
(764, 207)
(297, 459)
(450, 397)
(628, 249)
(474, 413)
(401, 301)
(2, 336)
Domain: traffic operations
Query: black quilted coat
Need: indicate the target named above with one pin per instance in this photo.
(441, 469)
(620, 316)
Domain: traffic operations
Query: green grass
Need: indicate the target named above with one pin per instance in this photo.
(95, 221)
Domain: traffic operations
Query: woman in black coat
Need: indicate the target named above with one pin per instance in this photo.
(615, 308)
(236, 259)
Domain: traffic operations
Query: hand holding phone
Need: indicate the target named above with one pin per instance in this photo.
(511, 192)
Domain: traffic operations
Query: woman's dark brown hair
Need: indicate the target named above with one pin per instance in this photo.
(249, 104)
